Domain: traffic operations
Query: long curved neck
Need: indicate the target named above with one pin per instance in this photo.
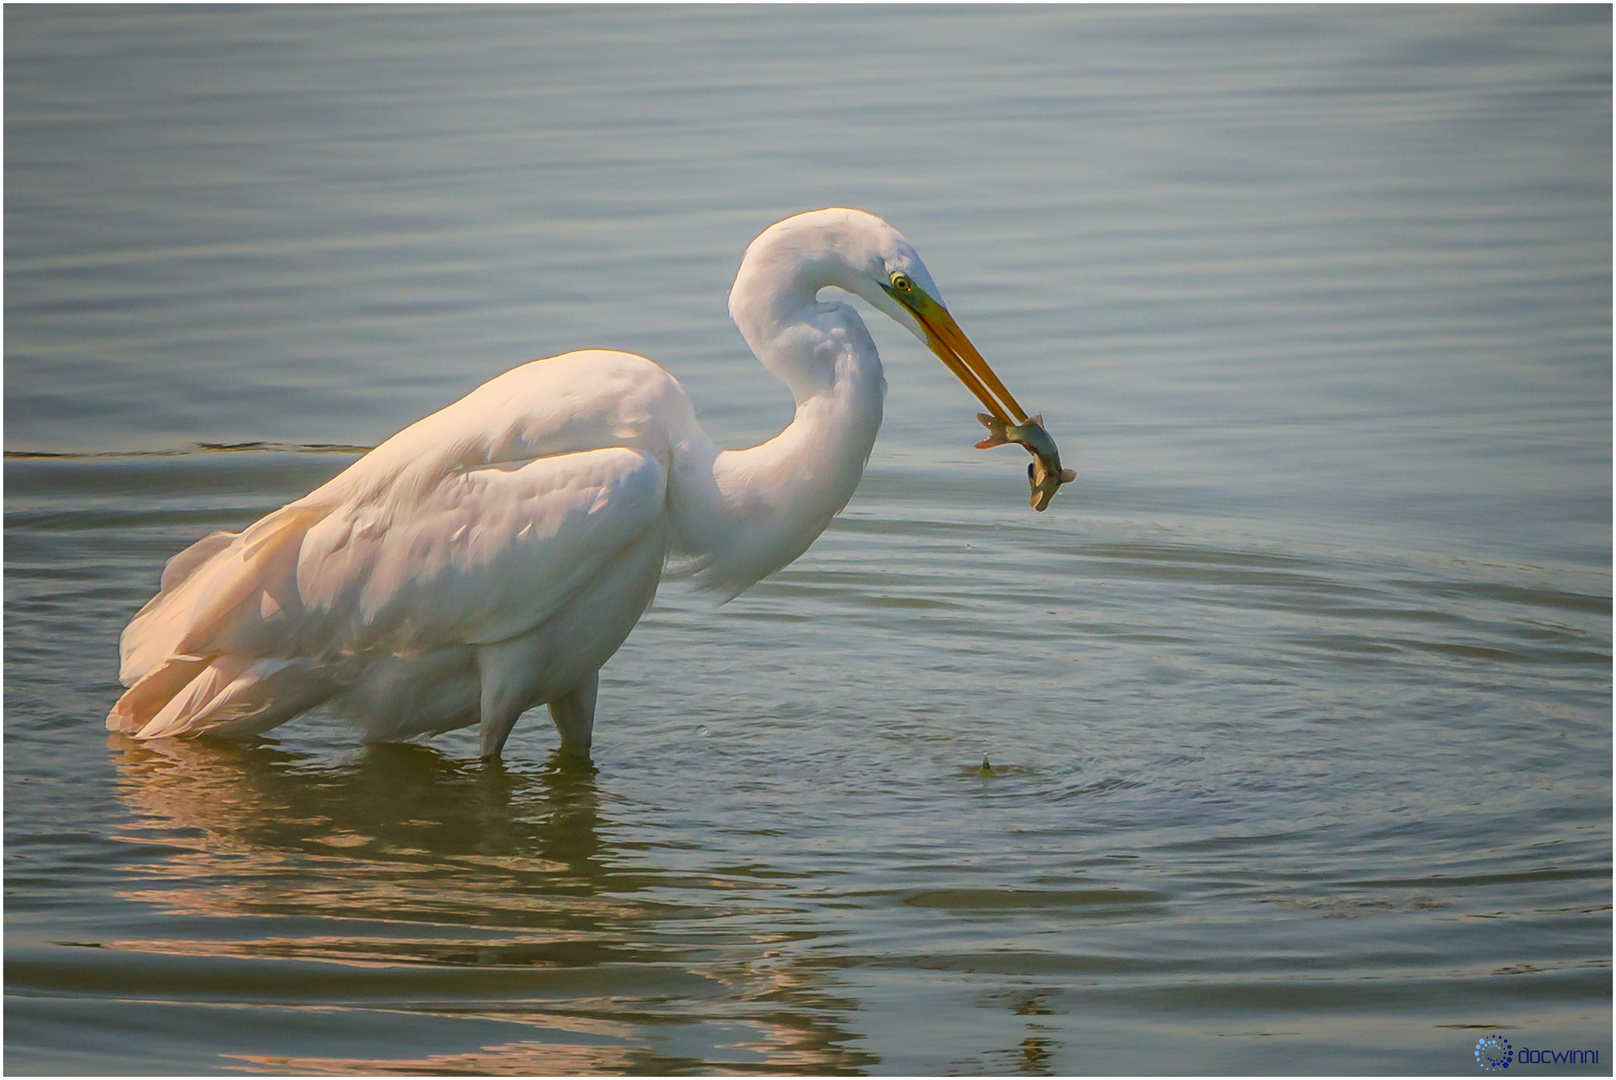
(746, 513)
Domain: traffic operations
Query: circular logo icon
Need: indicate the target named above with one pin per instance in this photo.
(1493, 1052)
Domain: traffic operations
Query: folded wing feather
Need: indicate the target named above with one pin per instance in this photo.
(471, 526)
(253, 628)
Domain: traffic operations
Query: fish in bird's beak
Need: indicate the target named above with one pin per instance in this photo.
(1044, 472)
(1009, 422)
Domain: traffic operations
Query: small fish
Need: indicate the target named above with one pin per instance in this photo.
(1044, 472)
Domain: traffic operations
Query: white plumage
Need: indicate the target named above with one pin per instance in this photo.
(492, 556)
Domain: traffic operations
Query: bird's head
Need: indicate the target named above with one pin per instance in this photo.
(862, 254)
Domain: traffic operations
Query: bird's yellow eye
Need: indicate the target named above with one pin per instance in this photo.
(902, 283)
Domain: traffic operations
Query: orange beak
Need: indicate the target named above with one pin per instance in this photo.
(954, 349)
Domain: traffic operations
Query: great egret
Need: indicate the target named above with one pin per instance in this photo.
(495, 554)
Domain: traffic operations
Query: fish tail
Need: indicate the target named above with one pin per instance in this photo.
(996, 435)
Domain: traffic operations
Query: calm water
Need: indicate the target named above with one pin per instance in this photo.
(1297, 704)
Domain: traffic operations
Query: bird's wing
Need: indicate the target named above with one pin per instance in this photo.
(483, 555)
(473, 521)
(574, 402)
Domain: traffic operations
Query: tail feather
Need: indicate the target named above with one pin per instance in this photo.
(152, 691)
(193, 658)
(184, 564)
(231, 696)
(221, 576)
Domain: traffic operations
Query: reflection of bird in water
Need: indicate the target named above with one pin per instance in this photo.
(404, 832)
(492, 556)
(490, 893)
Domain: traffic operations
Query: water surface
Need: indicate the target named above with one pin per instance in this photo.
(1280, 743)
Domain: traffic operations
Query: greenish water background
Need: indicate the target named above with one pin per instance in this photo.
(1298, 703)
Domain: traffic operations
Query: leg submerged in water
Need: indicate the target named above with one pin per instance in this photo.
(508, 672)
(574, 716)
(513, 675)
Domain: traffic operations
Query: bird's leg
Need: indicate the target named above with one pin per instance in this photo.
(574, 716)
(496, 728)
(505, 672)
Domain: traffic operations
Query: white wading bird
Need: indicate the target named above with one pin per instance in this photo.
(495, 554)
